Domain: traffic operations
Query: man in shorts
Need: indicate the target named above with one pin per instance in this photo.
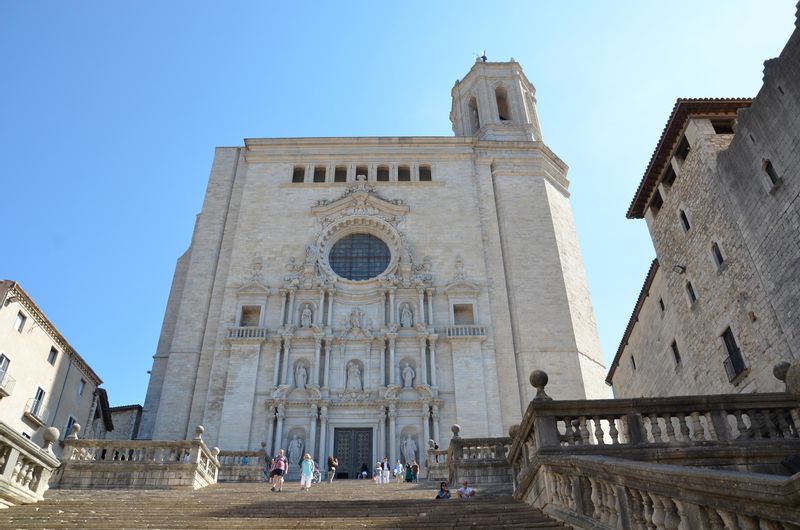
(278, 470)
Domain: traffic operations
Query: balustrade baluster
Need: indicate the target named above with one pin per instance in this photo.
(637, 509)
(595, 498)
(612, 430)
(783, 427)
(740, 425)
(771, 432)
(795, 415)
(711, 519)
(729, 520)
(17, 468)
(655, 430)
(671, 519)
(613, 512)
(756, 426)
(682, 427)
(748, 522)
(697, 428)
(658, 511)
(683, 515)
(570, 436)
(712, 432)
(584, 430)
(28, 475)
(598, 431)
(670, 430)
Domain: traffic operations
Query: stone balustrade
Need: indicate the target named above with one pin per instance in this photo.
(611, 493)
(247, 333)
(241, 466)
(6, 384)
(25, 468)
(478, 460)
(647, 463)
(464, 331)
(437, 464)
(142, 464)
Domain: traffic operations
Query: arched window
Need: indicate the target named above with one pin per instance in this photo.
(503, 112)
(474, 119)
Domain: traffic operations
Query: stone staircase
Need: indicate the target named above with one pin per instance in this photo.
(343, 504)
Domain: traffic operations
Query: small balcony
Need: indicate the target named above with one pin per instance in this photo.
(247, 333)
(36, 412)
(465, 332)
(6, 384)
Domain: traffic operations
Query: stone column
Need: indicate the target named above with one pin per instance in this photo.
(283, 307)
(320, 311)
(435, 417)
(312, 430)
(323, 431)
(392, 362)
(290, 318)
(280, 414)
(391, 306)
(381, 434)
(287, 345)
(318, 345)
(326, 376)
(426, 435)
(432, 342)
(270, 428)
(382, 378)
(384, 294)
(277, 379)
(421, 307)
(423, 361)
(430, 306)
(331, 292)
(392, 432)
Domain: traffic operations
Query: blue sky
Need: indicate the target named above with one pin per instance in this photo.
(110, 112)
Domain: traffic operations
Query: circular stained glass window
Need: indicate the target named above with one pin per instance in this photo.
(359, 257)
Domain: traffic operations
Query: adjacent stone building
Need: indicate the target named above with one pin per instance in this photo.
(360, 295)
(44, 382)
(721, 198)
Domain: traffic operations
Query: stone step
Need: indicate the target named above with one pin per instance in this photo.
(345, 504)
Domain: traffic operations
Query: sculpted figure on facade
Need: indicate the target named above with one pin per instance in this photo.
(301, 377)
(306, 316)
(406, 316)
(295, 451)
(353, 377)
(408, 376)
(409, 448)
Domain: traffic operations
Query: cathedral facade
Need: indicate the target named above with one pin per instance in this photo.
(358, 296)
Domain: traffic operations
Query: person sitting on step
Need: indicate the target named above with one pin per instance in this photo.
(465, 493)
(443, 492)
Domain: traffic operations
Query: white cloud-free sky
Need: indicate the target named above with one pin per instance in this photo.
(110, 112)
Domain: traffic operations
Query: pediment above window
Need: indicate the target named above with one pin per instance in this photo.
(361, 200)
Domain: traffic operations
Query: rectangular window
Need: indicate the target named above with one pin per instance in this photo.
(340, 174)
(690, 292)
(633, 363)
(298, 174)
(362, 170)
(37, 404)
(769, 169)
(669, 176)
(26, 435)
(70, 422)
(81, 387)
(19, 323)
(723, 126)
(425, 173)
(463, 315)
(251, 316)
(675, 352)
(718, 258)
(656, 203)
(684, 221)
(4, 362)
(319, 174)
(683, 149)
(383, 174)
(51, 357)
(661, 304)
(404, 174)
(734, 363)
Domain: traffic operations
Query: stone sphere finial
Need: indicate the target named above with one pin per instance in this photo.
(215, 452)
(456, 428)
(431, 443)
(73, 432)
(539, 380)
(790, 375)
(513, 431)
(50, 435)
(198, 432)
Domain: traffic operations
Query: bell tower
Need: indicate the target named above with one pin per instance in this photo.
(495, 101)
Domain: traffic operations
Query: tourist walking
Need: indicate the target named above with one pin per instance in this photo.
(409, 475)
(278, 470)
(398, 472)
(377, 475)
(386, 468)
(333, 463)
(306, 472)
(414, 471)
(443, 492)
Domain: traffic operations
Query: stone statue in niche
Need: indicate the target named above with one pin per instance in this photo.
(406, 316)
(301, 377)
(408, 376)
(306, 316)
(295, 451)
(409, 447)
(353, 377)
(355, 318)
